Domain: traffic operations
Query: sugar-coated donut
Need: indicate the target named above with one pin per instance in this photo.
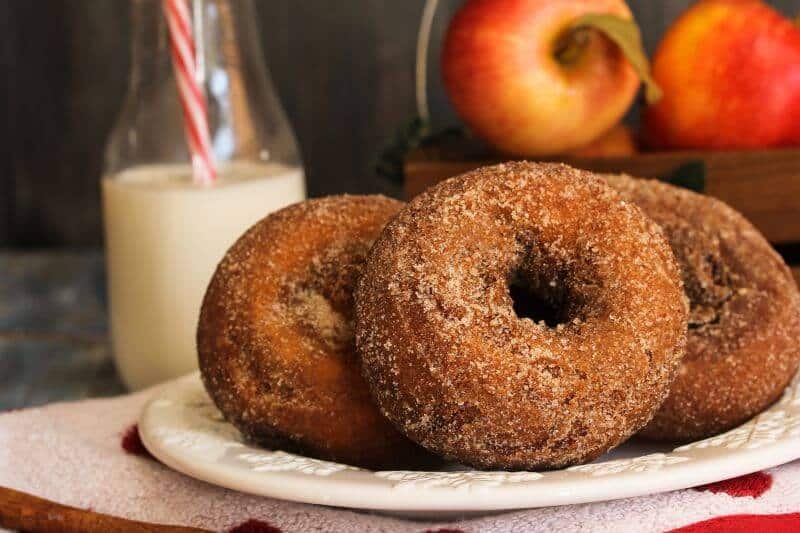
(744, 327)
(275, 337)
(441, 322)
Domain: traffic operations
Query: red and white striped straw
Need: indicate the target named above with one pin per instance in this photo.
(184, 60)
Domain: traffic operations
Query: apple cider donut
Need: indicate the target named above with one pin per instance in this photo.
(275, 338)
(520, 316)
(744, 326)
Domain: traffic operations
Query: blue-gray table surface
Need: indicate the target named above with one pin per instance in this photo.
(54, 342)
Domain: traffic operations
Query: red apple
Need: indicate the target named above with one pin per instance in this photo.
(730, 75)
(517, 78)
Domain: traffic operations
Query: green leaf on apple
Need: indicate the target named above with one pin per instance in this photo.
(407, 137)
(691, 175)
(625, 34)
(414, 133)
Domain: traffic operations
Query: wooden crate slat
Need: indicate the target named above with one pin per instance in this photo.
(763, 184)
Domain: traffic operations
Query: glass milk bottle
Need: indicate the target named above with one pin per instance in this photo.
(164, 233)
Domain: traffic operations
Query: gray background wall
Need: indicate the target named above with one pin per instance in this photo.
(343, 69)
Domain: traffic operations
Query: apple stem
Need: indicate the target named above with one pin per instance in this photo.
(626, 35)
(571, 45)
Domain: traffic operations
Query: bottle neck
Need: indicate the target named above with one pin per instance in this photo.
(150, 59)
(244, 115)
(224, 36)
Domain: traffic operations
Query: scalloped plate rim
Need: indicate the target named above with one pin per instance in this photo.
(364, 489)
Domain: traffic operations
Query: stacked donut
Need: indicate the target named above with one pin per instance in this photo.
(521, 316)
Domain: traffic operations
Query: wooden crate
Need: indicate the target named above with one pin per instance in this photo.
(763, 184)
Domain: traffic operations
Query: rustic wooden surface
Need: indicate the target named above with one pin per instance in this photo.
(763, 184)
(53, 329)
(343, 70)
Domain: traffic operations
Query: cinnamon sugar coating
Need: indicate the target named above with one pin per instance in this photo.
(744, 327)
(275, 337)
(451, 363)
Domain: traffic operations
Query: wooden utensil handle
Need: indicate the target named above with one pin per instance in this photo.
(24, 512)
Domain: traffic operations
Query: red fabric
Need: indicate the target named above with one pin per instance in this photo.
(255, 526)
(752, 485)
(132, 443)
(746, 523)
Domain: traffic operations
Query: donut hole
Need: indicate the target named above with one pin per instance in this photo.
(321, 300)
(540, 302)
(320, 319)
(706, 279)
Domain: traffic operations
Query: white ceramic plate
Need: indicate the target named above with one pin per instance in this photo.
(183, 429)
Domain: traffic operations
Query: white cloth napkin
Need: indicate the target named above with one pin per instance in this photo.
(73, 453)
